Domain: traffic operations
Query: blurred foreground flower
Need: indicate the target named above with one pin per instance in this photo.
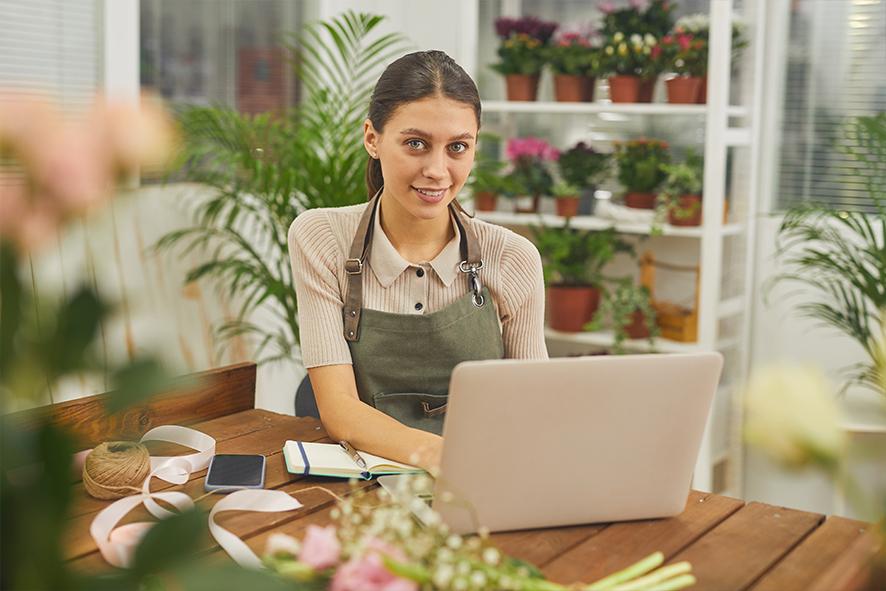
(54, 168)
(793, 416)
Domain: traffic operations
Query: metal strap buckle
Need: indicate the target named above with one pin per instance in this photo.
(433, 412)
(466, 267)
(354, 266)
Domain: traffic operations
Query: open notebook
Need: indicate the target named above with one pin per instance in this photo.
(329, 459)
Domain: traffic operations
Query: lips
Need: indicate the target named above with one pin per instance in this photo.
(429, 195)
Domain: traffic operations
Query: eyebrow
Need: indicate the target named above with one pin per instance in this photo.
(412, 131)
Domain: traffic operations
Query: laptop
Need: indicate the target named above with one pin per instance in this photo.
(567, 441)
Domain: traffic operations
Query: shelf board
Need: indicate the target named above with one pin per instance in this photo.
(550, 107)
(605, 338)
(589, 222)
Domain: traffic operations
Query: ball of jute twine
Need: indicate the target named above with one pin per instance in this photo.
(116, 469)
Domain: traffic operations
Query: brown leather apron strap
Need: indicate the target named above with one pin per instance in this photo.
(471, 263)
(354, 268)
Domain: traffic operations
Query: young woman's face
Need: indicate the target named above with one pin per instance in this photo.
(426, 153)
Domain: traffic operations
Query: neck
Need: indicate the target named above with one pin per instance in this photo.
(415, 239)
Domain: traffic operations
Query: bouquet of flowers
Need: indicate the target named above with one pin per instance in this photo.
(529, 157)
(523, 43)
(573, 54)
(640, 164)
(376, 545)
(637, 55)
(640, 16)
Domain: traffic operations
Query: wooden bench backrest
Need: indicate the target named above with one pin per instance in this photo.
(218, 392)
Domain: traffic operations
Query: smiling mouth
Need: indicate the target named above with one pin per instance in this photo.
(430, 192)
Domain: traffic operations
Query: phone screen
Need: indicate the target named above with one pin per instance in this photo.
(236, 470)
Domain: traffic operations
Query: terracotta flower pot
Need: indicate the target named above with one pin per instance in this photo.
(624, 89)
(702, 97)
(637, 329)
(485, 201)
(526, 203)
(567, 207)
(522, 87)
(640, 200)
(646, 90)
(571, 307)
(590, 84)
(688, 203)
(569, 89)
(683, 90)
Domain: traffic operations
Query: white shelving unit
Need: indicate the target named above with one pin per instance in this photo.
(725, 126)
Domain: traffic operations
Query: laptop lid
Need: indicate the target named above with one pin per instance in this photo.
(545, 443)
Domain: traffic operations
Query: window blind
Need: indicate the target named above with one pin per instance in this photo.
(835, 71)
(53, 47)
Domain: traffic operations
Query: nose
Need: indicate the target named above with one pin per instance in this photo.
(435, 165)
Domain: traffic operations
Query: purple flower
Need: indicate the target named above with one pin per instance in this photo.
(529, 25)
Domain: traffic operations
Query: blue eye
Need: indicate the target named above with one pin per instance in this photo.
(410, 142)
(463, 145)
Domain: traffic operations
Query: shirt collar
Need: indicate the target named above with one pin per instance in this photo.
(388, 264)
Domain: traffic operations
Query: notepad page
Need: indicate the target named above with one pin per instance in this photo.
(378, 464)
(325, 459)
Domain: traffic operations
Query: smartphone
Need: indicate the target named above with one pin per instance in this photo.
(229, 472)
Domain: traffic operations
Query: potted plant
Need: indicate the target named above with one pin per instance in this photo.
(573, 263)
(698, 25)
(640, 170)
(584, 167)
(627, 308)
(620, 59)
(686, 56)
(838, 253)
(530, 178)
(573, 61)
(680, 196)
(522, 53)
(566, 199)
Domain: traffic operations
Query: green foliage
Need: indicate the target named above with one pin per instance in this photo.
(657, 19)
(520, 54)
(564, 189)
(263, 171)
(574, 57)
(529, 177)
(634, 55)
(617, 309)
(841, 254)
(640, 164)
(576, 257)
(583, 166)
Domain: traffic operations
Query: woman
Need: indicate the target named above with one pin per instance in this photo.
(394, 293)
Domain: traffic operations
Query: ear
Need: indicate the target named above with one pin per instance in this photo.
(370, 138)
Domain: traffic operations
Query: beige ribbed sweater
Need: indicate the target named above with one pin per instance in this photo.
(319, 241)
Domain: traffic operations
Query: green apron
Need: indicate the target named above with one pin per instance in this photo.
(403, 362)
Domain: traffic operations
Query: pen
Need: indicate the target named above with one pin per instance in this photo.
(352, 453)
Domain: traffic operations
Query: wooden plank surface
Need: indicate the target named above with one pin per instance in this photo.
(731, 546)
(746, 545)
(217, 393)
(268, 442)
(812, 558)
(622, 544)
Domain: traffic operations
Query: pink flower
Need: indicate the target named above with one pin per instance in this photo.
(684, 41)
(320, 548)
(530, 147)
(638, 4)
(606, 7)
(368, 572)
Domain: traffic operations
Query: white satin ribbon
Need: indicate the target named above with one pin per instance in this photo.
(117, 544)
(267, 501)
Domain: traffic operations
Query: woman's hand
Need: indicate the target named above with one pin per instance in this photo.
(427, 454)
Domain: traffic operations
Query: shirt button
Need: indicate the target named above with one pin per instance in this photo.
(420, 272)
(418, 306)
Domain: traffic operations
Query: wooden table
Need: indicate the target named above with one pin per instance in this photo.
(731, 544)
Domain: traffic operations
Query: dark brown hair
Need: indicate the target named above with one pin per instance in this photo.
(413, 77)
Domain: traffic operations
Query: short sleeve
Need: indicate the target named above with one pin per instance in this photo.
(523, 295)
(316, 262)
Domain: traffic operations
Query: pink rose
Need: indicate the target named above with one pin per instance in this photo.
(368, 572)
(320, 548)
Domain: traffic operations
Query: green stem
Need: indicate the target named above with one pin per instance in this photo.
(635, 570)
(654, 579)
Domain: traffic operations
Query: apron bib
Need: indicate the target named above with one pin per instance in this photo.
(403, 362)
